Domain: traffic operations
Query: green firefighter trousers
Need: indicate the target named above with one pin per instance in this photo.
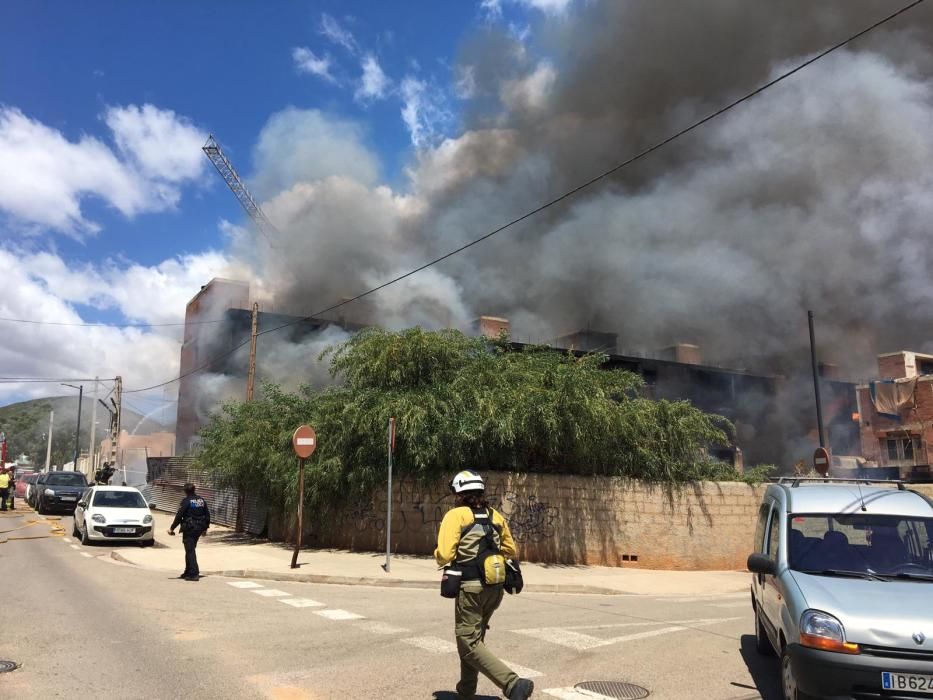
(475, 606)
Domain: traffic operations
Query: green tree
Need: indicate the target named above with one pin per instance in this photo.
(459, 402)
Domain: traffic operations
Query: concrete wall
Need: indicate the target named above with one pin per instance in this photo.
(573, 520)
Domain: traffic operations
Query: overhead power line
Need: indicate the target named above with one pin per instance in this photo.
(565, 196)
(107, 325)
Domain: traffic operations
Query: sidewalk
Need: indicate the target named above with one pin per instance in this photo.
(222, 552)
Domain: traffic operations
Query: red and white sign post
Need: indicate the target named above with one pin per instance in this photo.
(304, 442)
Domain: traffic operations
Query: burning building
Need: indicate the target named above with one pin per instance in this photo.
(895, 414)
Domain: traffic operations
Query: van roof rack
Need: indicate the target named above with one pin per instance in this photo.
(795, 481)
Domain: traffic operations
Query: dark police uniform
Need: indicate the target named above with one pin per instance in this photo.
(194, 517)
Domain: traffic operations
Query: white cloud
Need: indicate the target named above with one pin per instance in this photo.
(530, 92)
(44, 177)
(374, 83)
(306, 61)
(162, 144)
(424, 112)
(492, 9)
(336, 33)
(42, 286)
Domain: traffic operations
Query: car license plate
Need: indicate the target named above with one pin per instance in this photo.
(907, 681)
(69, 498)
(124, 530)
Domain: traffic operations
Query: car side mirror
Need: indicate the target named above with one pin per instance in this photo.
(762, 564)
(152, 506)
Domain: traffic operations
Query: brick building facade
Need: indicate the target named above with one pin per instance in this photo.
(902, 438)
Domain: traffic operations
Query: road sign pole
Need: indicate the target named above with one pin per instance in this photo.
(301, 510)
(391, 445)
(304, 442)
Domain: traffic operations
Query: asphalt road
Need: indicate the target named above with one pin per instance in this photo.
(79, 622)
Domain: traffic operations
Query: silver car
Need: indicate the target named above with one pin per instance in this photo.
(843, 588)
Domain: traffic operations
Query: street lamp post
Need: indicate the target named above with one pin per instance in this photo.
(80, 389)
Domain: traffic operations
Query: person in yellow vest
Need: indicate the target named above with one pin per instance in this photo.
(474, 541)
(5, 481)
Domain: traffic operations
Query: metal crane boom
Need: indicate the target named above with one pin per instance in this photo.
(214, 153)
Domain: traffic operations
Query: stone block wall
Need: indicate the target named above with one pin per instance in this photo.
(574, 520)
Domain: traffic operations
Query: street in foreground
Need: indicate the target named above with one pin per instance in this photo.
(84, 623)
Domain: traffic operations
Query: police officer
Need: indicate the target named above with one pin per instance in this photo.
(467, 533)
(194, 517)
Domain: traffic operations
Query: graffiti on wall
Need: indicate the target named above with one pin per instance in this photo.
(419, 508)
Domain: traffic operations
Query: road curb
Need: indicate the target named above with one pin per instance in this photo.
(286, 577)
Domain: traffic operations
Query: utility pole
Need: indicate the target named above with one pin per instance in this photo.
(816, 381)
(251, 376)
(80, 389)
(48, 449)
(115, 422)
(90, 450)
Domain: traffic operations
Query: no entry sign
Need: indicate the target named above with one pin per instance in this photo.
(821, 461)
(304, 441)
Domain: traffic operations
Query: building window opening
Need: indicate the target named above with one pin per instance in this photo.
(902, 450)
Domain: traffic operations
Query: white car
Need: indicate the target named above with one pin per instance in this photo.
(113, 513)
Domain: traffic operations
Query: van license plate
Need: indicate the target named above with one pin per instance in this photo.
(124, 530)
(907, 681)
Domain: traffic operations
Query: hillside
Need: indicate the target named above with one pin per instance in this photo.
(26, 426)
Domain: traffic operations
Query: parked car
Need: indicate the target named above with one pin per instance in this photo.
(113, 513)
(842, 588)
(23, 480)
(31, 489)
(58, 491)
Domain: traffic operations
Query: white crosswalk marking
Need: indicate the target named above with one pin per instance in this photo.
(67, 539)
(569, 637)
(381, 628)
(337, 614)
(522, 671)
(74, 546)
(244, 584)
(705, 598)
(435, 645)
(301, 603)
(575, 694)
(736, 604)
(85, 554)
(270, 593)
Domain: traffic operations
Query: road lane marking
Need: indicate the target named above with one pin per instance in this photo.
(67, 539)
(381, 627)
(337, 614)
(568, 637)
(522, 671)
(244, 584)
(271, 593)
(435, 645)
(301, 603)
(705, 598)
(85, 554)
(575, 694)
(736, 604)
(74, 546)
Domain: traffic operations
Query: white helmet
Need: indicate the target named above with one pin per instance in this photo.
(467, 480)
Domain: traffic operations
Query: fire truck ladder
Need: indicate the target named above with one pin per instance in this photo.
(214, 153)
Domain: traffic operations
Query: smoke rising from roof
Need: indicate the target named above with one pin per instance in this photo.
(816, 194)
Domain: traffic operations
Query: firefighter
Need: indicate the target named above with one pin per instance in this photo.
(475, 541)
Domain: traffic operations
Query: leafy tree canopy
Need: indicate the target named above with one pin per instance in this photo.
(459, 402)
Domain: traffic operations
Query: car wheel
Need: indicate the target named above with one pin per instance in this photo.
(40, 507)
(74, 529)
(85, 540)
(763, 645)
(788, 681)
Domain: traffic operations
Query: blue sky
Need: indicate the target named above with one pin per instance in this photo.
(226, 66)
(109, 212)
